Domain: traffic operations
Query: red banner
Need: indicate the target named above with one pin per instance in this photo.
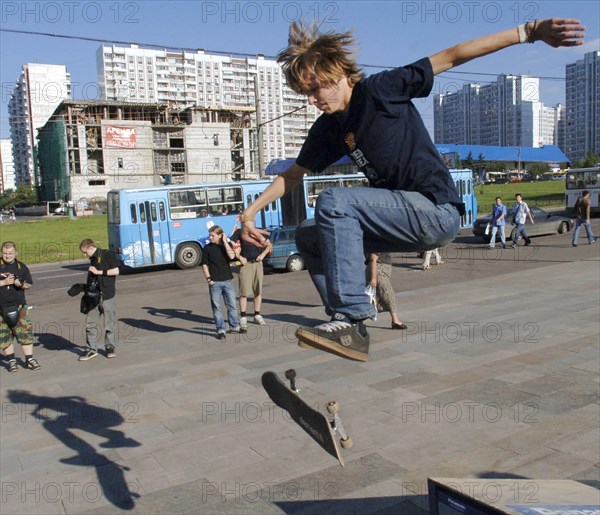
(122, 137)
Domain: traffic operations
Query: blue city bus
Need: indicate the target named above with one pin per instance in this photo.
(169, 224)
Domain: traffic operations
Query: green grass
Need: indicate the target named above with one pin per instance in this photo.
(56, 239)
(543, 194)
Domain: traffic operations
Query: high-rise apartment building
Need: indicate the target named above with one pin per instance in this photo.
(184, 79)
(507, 112)
(7, 180)
(582, 119)
(37, 93)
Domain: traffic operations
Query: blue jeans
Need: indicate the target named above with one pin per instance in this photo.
(495, 229)
(223, 289)
(588, 230)
(352, 222)
(520, 231)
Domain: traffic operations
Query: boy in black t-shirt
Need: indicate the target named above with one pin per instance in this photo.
(15, 323)
(104, 268)
(216, 257)
(412, 205)
(250, 277)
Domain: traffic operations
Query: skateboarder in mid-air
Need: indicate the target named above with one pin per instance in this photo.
(412, 205)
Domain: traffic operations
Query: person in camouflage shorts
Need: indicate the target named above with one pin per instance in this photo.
(15, 322)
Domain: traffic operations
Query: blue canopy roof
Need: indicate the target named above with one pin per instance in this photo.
(547, 154)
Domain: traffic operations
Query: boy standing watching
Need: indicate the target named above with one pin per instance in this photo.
(583, 208)
(216, 257)
(15, 278)
(104, 265)
(250, 277)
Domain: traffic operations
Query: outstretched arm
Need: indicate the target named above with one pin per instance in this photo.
(277, 189)
(552, 31)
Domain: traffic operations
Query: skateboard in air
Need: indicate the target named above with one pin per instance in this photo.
(321, 429)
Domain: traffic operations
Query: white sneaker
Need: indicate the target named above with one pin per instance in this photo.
(258, 319)
(244, 323)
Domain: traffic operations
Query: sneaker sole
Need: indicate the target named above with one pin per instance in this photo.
(82, 358)
(313, 341)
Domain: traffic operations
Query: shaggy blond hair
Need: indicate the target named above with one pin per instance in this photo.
(326, 56)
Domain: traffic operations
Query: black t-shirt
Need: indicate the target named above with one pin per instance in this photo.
(9, 295)
(216, 258)
(383, 133)
(105, 260)
(249, 251)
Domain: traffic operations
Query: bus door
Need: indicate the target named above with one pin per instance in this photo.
(270, 215)
(153, 233)
(463, 180)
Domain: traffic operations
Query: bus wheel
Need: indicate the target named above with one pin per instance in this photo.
(188, 255)
(295, 263)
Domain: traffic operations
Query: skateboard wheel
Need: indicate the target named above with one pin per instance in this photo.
(290, 374)
(333, 407)
(347, 443)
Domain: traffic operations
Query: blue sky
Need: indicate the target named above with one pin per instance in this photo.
(390, 33)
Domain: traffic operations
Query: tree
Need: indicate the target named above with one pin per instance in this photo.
(538, 168)
(590, 160)
(23, 196)
(468, 163)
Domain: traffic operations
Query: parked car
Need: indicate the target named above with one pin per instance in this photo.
(284, 254)
(545, 223)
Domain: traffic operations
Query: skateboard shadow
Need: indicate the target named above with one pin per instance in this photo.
(61, 415)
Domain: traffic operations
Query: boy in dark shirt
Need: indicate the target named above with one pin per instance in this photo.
(216, 257)
(412, 204)
(103, 270)
(250, 277)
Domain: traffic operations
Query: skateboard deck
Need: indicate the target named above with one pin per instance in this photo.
(314, 423)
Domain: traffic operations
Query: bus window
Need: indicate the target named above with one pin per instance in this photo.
(153, 211)
(114, 213)
(222, 201)
(161, 211)
(142, 214)
(133, 214)
(186, 203)
(353, 183)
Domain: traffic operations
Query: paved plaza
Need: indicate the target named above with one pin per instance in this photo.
(495, 377)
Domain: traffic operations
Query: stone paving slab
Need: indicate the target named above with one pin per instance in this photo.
(187, 428)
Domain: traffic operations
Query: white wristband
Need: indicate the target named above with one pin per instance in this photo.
(522, 33)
